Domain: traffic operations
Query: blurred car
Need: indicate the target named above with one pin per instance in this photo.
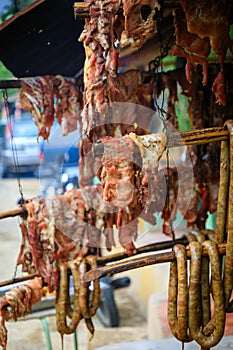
(20, 148)
(58, 170)
(59, 153)
(3, 123)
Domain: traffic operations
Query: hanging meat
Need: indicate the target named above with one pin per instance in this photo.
(100, 69)
(139, 22)
(189, 45)
(212, 21)
(118, 172)
(68, 103)
(135, 90)
(36, 96)
(68, 227)
(200, 28)
(17, 303)
(49, 97)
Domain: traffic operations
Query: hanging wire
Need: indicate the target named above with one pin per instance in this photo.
(13, 145)
(157, 64)
(15, 155)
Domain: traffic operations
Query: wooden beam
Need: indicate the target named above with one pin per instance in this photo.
(198, 137)
(186, 138)
(10, 84)
(16, 83)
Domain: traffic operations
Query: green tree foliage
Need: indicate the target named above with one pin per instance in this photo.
(4, 72)
(4, 75)
(13, 7)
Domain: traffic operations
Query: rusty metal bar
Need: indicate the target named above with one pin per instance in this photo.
(136, 263)
(113, 257)
(17, 280)
(141, 250)
(127, 265)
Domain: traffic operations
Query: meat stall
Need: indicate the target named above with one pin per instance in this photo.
(128, 123)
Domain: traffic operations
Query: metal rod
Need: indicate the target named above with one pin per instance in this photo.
(131, 264)
(17, 280)
(47, 333)
(136, 263)
(13, 212)
(141, 250)
(115, 257)
(81, 9)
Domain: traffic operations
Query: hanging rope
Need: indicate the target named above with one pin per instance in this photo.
(13, 145)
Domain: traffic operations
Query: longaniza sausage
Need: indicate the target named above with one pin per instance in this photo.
(228, 268)
(222, 193)
(63, 301)
(215, 327)
(84, 291)
(76, 315)
(205, 290)
(172, 298)
(205, 287)
(194, 288)
(182, 295)
(95, 300)
(178, 295)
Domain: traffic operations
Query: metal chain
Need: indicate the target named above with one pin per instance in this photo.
(13, 145)
(164, 50)
(155, 65)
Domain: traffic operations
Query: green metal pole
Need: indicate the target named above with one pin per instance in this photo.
(75, 341)
(47, 334)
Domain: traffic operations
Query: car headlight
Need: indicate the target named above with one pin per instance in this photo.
(64, 177)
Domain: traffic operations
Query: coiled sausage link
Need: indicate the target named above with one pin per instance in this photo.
(76, 314)
(88, 301)
(205, 287)
(95, 300)
(63, 304)
(178, 295)
(172, 298)
(228, 268)
(222, 192)
(83, 290)
(194, 287)
(213, 331)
